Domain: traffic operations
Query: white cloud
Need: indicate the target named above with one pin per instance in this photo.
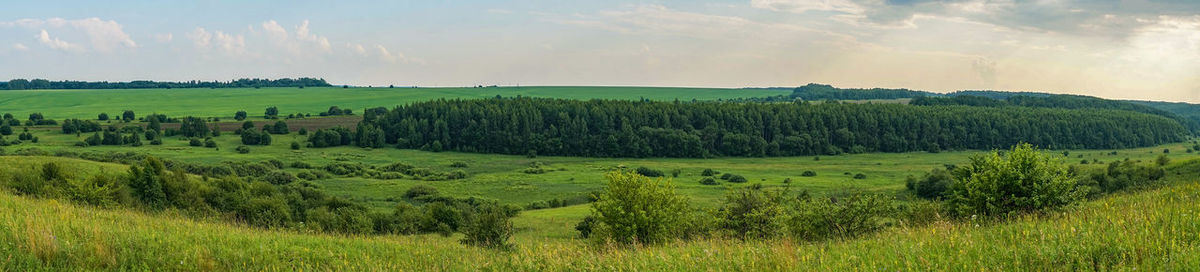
(164, 38)
(19, 47)
(55, 43)
(104, 35)
(228, 43)
(275, 31)
(303, 34)
(387, 56)
(357, 48)
(801, 6)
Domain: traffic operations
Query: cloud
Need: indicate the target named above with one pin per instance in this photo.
(227, 43)
(986, 69)
(164, 38)
(303, 34)
(275, 31)
(387, 56)
(104, 35)
(805, 6)
(20, 47)
(55, 43)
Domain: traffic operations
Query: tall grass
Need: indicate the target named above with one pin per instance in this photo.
(1154, 230)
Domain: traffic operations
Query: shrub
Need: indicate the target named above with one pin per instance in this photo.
(931, 186)
(838, 217)
(737, 179)
(99, 190)
(267, 212)
(675, 173)
(707, 173)
(644, 171)
(709, 181)
(458, 164)
(1023, 180)
(295, 146)
(808, 173)
(300, 165)
(490, 228)
(210, 143)
(726, 176)
(242, 149)
(860, 176)
(420, 191)
(195, 142)
(635, 209)
(753, 213)
(279, 178)
(1162, 160)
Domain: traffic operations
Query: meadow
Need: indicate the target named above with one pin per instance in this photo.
(1154, 229)
(223, 102)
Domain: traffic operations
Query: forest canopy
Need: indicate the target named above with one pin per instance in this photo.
(612, 128)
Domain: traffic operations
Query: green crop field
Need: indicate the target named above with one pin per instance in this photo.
(223, 102)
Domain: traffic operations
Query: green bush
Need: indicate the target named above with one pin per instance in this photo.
(860, 176)
(931, 186)
(242, 149)
(195, 142)
(726, 176)
(808, 173)
(709, 181)
(737, 179)
(707, 173)
(636, 209)
(420, 190)
(458, 164)
(99, 190)
(838, 217)
(490, 228)
(1023, 180)
(753, 213)
(648, 172)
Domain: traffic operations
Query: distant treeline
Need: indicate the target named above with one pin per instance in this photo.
(1187, 114)
(36, 84)
(611, 128)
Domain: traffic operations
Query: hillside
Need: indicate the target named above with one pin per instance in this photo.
(1148, 230)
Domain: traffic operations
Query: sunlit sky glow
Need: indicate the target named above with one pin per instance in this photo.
(1130, 49)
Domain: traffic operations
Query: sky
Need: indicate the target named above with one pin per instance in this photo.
(1125, 49)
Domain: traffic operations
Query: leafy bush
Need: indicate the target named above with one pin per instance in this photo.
(645, 171)
(458, 164)
(753, 213)
(737, 179)
(931, 186)
(709, 181)
(210, 143)
(808, 173)
(707, 173)
(838, 217)
(491, 228)
(419, 191)
(279, 178)
(726, 176)
(195, 142)
(300, 165)
(635, 209)
(860, 176)
(242, 149)
(1023, 180)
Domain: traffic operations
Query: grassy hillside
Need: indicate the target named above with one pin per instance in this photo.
(62, 104)
(1151, 230)
(501, 177)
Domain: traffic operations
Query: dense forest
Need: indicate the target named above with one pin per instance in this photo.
(39, 84)
(1052, 101)
(610, 128)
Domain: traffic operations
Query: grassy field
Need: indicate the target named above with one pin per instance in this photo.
(1154, 230)
(500, 176)
(63, 104)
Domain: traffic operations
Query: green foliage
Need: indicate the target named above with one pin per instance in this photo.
(709, 181)
(646, 171)
(636, 209)
(1022, 180)
(146, 180)
(860, 176)
(839, 217)
(932, 185)
(753, 213)
(808, 173)
(707, 172)
(491, 228)
(242, 149)
(736, 179)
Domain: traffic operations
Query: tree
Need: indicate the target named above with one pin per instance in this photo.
(280, 127)
(240, 115)
(146, 180)
(637, 209)
(128, 115)
(271, 113)
(193, 127)
(491, 227)
(102, 117)
(1021, 180)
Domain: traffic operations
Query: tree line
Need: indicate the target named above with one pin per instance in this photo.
(612, 128)
(25, 84)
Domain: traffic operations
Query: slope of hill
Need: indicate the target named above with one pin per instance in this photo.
(1150, 230)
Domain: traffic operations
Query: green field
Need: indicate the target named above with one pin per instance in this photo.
(62, 104)
(1150, 230)
(500, 177)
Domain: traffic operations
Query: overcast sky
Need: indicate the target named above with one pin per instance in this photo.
(1140, 49)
